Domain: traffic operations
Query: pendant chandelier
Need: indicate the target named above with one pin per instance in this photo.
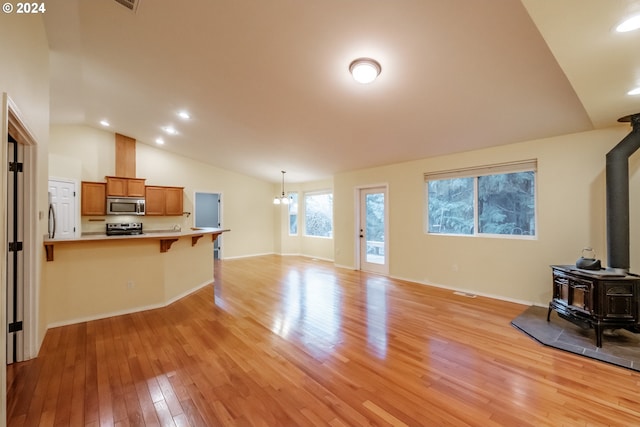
(282, 199)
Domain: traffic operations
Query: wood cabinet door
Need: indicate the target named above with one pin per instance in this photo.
(173, 201)
(135, 188)
(94, 198)
(116, 186)
(154, 200)
(125, 187)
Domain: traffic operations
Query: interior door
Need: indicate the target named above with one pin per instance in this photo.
(62, 204)
(372, 233)
(207, 214)
(15, 252)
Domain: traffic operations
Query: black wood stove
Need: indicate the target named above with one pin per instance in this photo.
(606, 297)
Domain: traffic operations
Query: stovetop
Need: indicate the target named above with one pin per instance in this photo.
(124, 229)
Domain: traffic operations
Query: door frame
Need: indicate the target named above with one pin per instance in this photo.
(13, 120)
(16, 124)
(358, 225)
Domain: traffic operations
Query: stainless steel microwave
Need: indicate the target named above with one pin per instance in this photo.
(125, 206)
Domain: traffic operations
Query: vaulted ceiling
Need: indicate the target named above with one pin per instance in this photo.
(268, 87)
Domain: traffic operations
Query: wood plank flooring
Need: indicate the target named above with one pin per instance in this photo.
(289, 341)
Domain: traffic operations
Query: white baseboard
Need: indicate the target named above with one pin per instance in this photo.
(468, 291)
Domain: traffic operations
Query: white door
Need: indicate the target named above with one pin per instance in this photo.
(62, 209)
(373, 230)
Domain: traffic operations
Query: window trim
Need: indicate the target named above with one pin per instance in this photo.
(528, 165)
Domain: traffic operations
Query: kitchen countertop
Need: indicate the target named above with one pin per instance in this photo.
(166, 238)
(150, 234)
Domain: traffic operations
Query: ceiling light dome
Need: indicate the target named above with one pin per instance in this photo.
(630, 24)
(365, 70)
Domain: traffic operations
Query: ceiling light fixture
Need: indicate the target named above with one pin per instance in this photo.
(635, 91)
(105, 123)
(159, 141)
(365, 70)
(282, 199)
(184, 115)
(630, 24)
(170, 130)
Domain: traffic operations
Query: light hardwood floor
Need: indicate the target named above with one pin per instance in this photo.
(288, 341)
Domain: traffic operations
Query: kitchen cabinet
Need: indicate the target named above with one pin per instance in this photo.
(167, 201)
(94, 198)
(125, 187)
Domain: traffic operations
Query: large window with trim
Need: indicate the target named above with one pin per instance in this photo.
(497, 200)
(318, 214)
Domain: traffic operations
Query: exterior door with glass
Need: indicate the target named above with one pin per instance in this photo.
(372, 230)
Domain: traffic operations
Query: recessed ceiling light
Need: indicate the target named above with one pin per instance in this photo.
(184, 115)
(635, 91)
(365, 70)
(170, 130)
(630, 24)
(105, 123)
(159, 141)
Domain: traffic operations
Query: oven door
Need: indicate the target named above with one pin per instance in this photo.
(581, 295)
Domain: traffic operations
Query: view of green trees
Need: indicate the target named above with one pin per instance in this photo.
(505, 204)
(318, 215)
(375, 217)
(293, 214)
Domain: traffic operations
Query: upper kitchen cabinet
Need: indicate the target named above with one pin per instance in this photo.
(94, 198)
(125, 187)
(167, 201)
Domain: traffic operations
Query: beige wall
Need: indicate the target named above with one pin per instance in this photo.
(570, 209)
(316, 247)
(90, 280)
(83, 153)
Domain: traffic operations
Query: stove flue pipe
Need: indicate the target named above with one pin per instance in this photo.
(617, 173)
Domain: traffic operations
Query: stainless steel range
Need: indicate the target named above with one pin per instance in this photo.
(124, 229)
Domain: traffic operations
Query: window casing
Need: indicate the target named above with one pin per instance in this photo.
(318, 214)
(495, 200)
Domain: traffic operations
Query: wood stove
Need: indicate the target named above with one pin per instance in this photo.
(605, 298)
(600, 299)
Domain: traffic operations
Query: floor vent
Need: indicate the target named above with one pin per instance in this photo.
(132, 5)
(465, 294)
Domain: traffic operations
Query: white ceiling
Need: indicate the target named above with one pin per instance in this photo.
(268, 86)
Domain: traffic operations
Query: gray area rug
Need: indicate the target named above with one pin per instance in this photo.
(619, 347)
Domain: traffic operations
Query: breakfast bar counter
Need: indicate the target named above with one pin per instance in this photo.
(97, 276)
(165, 237)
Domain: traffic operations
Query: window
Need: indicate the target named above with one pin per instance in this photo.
(293, 214)
(318, 214)
(489, 200)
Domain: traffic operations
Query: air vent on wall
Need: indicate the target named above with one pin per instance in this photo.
(132, 5)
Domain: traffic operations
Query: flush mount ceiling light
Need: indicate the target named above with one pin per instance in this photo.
(104, 123)
(184, 115)
(365, 70)
(635, 91)
(159, 141)
(282, 199)
(630, 24)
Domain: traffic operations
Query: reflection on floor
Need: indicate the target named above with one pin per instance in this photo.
(619, 347)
